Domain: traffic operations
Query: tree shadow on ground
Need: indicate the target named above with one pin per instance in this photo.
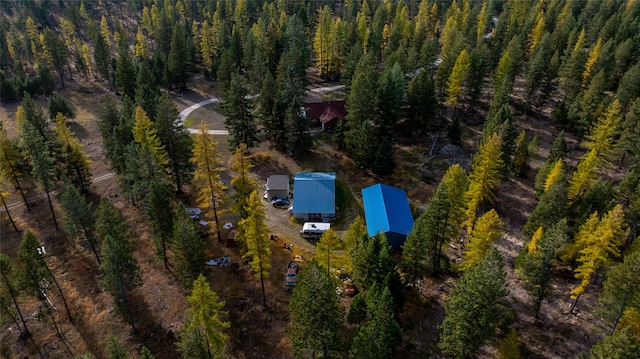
(150, 332)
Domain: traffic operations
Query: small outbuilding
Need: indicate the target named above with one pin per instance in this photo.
(387, 211)
(277, 187)
(314, 196)
(231, 238)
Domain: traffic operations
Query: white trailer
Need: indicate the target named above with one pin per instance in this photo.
(314, 229)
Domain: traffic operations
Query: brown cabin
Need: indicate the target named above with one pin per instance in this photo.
(326, 114)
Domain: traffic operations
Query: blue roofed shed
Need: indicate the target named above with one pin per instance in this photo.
(387, 211)
(314, 196)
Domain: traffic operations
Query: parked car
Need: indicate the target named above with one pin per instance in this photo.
(291, 277)
(280, 203)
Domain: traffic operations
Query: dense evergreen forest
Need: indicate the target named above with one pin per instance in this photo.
(540, 99)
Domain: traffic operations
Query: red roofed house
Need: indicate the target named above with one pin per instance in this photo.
(326, 114)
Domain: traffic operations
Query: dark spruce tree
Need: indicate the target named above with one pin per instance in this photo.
(380, 334)
(58, 104)
(238, 112)
(179, 58)
(314, 314)
(8, 284)
(421, 101)
(621, 289)
(477, 308)
(160, 216)
(36, 269)
(78, 219)
(188, 247)
(125, 73)
(147, 91)
(432, 229)
(533, 264)
(176, 140)
(42, 164)
(120, 273)
(622, 344)
(551, 207)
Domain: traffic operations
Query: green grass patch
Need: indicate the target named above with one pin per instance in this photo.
(343, 194)
(189, 122)
(347, 204)
(210, 114)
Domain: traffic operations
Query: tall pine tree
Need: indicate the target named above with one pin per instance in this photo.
(203, 321)
(477, 307)
(176, 140)
(314, 314)
(486, 231)
(238, 112)
(206, 179)
(254, 233)
(188, 247)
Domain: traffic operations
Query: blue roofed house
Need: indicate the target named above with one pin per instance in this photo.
(314, 196)
(387, 211)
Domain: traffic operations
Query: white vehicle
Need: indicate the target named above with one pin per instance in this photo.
(314, 229)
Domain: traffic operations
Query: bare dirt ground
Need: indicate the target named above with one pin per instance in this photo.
(258, 331)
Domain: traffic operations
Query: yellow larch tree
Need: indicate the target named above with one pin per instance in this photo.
(155, 17)
(582, 238)
(403, 22)
(603, 133)
(458, 76)
(580, 41)
(207, 45)
(362, 24)
(486, 231)
(536, 33)
(86, 57)
(147, 24)
(206, 176)
(426, 20)
(531, 246)
(482, 22)
(322, 44)
(594, 54)
(180, 10)
(144, 133)
(504, 67)
(242, 182)
(240, 14)
(600, 246)
(486, 174)
(450, 31)
(68, 33)
(584, 176)
(329, 242)
(34, 38)
(105, 32)
(465, 15)
(203, 320)
(253, 232)
(555, 174)
(457, 183)
(141, 45)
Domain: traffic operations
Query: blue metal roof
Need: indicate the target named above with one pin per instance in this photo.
(314, 192)
(386, 209)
